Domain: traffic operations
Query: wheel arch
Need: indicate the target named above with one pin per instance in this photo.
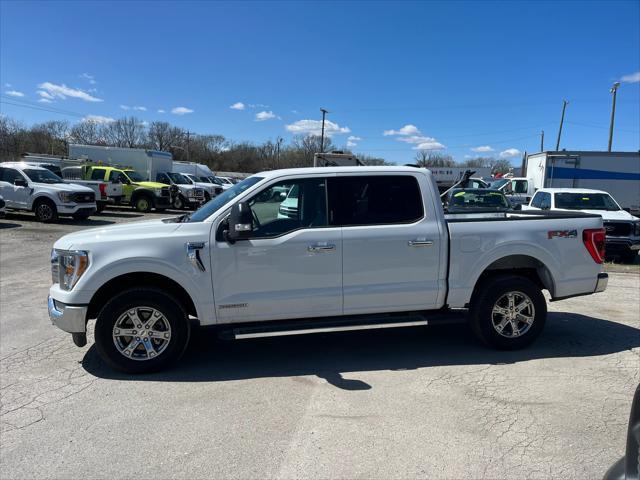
(123, 282)
(520, 265)
(142, 191)
(40, 197)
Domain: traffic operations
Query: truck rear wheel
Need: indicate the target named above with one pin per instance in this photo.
(508, 312)
(45, 210)
(142, 330)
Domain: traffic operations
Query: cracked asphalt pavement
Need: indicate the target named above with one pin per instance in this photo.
(410, 403)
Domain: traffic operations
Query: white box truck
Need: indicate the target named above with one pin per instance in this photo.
(147, 163)
(617, 173)
(192, 168)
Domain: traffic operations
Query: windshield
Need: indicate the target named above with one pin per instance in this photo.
(465, 200)
(42, 176)
(209, 208)
(586, 201)
(498, 184)
(179, 178)
(205, 179)
(134, 176)
(215, 180)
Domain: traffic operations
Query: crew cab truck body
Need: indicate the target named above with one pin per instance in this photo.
(622, 229)
(37, 189)
(137, 192)
(107, 193)
(187, 195)
(369, 247)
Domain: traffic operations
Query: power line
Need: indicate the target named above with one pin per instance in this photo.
(42, 108)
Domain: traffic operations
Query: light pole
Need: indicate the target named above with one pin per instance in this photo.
(564, 107)
(614, 91)
(324, 112)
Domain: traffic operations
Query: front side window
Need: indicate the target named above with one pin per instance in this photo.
(520, 186)
(135, 176)
(289, 205)
(545, 200)
(179, 178)
(375, 200)
(537, 200)
(162, 178)
(118, 177)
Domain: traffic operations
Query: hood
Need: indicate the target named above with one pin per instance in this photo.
(151, 184)
(116, 233)
(65, 187)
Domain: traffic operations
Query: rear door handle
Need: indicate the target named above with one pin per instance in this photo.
(321, 247)
(420, 242)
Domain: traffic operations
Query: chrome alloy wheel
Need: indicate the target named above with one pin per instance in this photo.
(513, 314)
(141, 333)
(44, 211)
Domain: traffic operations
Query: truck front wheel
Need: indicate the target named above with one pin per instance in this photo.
(45, 210)
(142, 330)
(508, 312)
(143, 203)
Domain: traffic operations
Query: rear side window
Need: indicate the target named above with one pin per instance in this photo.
(97, 174)
(375, 200)
(9, 175)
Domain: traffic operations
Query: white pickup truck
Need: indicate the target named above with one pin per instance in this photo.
(365, 247)
(33, 188)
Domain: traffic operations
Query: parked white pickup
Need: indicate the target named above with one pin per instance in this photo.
(29, 187)
(367, 247)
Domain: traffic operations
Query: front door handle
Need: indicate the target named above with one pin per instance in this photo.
(420, 242)
(321, 247)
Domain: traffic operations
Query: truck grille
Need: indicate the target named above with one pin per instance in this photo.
(83, 197)
(164, 192)
(198, 193)
(617, 229)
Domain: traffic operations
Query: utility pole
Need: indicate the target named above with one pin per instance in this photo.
(614, 91)
(564, 107)
(324, 112)
(278, 144)
(188, 139)
(542, 140)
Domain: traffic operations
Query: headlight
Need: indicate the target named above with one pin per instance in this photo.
(191, 193)
(65, 197)
(68, 266)
(157, 192)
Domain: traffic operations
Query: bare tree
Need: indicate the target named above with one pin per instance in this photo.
(427, 159)
(126, 132)
(87, 132)
(162, 136)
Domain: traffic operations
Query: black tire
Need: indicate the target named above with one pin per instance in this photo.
(45, 210)
(179, 202)
(160, 210)
(100, 207)
(494, 292)
(629, 256)
(80, 217)
(134, 298)
(143, 203)
(207, 197)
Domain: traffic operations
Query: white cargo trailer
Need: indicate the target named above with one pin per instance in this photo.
(147, 163)
(617, 173)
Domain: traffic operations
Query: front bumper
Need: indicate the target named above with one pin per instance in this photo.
(616, 244)
(162, 201)
(81, 208)
(601, 284)
(69, 318)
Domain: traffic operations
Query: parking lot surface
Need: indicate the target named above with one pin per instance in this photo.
(410, 403)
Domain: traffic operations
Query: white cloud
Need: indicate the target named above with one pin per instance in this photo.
(264, 115)
(482, 149)
(258, 105)
(45, 95)
(237, 106)
(14, 93)
(314, 127)
(62, 92)
(510, 153)
(412, 135)
(631, 78)
(351, 144)
(90, 78)
(353, 138)
(140, 109)
(406, 130)
(98, 119)
(44, 100)
(160, 110)
(181, 110)
(125, 107)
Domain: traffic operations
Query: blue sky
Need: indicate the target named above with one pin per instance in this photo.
(396, 77)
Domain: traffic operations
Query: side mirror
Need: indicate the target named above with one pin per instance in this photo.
(20, 182)
(283, 195)
(240, 223)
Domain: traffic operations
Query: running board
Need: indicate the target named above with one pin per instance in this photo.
(340, 324)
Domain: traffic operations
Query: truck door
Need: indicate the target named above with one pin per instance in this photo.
(290, 267)
(14, 196)
(391, 241)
